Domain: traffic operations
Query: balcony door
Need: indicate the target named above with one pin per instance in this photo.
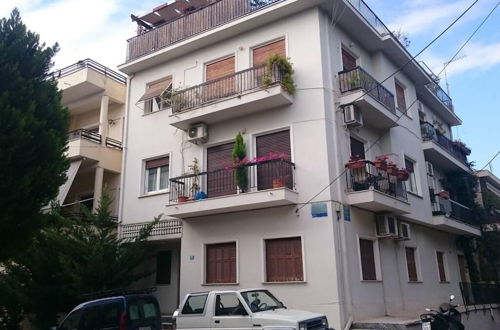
(275, 173)
(221, 85)
(220, 181)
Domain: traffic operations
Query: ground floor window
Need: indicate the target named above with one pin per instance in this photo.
(367, 256)
(284, 260)
(221, 263)
(411, 264)
(441, 266)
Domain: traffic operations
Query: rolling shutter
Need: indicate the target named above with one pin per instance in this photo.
(221, 263)
(221, 182)
(411, 264)
(220, 68)
(274, 143)
(284, 260)
(400, 97)
(157, 162)
(348, 61)
(261, 54)
(367, 260)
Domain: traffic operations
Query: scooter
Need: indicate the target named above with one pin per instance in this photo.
(447, 318)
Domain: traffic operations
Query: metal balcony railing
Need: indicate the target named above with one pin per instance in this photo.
(269, 174)
(206, 18)
(441, 95)
(219, 89)
(88, 64)
(163, 229)
(429, 133)
(480, 293)
(369, 177)
(84, 134)
(453, 209)
(357, 78)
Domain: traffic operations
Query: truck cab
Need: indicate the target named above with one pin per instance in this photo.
(243, 309)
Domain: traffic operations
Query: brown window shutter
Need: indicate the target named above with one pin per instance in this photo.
(157, 162)
(221, 263)
(155, 89)
(400, 97)
(462, 267)
(274, 143)
(440, 261)
(284, 260)
(220, 183)
(367, 260)
(348, 61)
(220, 68)
(261, 54)
(411, 264)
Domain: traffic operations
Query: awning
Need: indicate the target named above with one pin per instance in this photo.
(156, 89)
(70, 174)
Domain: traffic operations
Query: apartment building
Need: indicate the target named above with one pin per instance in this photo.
(350, 241)
(95, 97)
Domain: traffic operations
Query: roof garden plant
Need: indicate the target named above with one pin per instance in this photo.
(278, 64)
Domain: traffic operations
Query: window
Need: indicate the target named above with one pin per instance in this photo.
(262, 53)
(195, 304)
(157, 174)
(220, 68)
(221, 263)
(441, 268)
(284, 260)
(348, 61)
(111, 313)
(163, 267)
(411, 264)
(142, 310)
(228, 304)
(220, 183)
(400, 97)
(267, 173)
(367, 254)
(158, 95)
(357, 148)
(411, 184)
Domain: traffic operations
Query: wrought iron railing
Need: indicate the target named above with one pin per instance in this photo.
(357, 78)
(84, 134)
(453, 209)
(88, 63)
(369, 177)
(441, 95)
(429, 133)
(112, 143)
(480, 293)
(228, 86)
(163, 229)
(206, 18)
(262, 175)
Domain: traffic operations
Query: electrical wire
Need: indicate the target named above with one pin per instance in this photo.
(488, 163)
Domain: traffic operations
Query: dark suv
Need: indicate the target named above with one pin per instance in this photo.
(127, 312)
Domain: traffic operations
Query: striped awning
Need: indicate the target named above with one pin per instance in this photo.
(156, 89)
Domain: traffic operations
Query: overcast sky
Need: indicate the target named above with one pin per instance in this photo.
(98, 29)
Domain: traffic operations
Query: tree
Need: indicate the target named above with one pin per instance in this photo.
(69, 259)
(402, 37)
(238, 154)
(33, 135)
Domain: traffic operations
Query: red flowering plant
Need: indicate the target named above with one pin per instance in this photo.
(355, 161)
(403, 174)
(462, 147)
(381, 162)
(392, 168)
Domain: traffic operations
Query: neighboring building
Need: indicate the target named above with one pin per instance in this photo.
(489, 195)
(196, 80)
(95, 97)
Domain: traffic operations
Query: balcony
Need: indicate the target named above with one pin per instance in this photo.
(374, 100)
(184, 23)
(270, 183)
(165, 229)
(86, 144)
(238, 94)
(454, 217)
(441, 150)
(375, 190)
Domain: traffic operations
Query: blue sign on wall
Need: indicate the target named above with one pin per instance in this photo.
(319, 210)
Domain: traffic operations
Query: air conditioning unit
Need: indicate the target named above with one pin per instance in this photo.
(387, 226)
(198, 133)
(352, 116)
(404, 231)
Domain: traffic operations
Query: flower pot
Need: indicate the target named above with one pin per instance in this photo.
(381, 165)
(391, 170)
(278, 183)
(182, 199)
(355, 164)
(402, 175)
(444, 194)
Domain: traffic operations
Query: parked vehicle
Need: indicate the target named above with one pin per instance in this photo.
(126, 312)
(446, 318)
(243, 309)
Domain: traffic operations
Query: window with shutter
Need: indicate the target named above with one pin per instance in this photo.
(400, 97)
(411, 264)
(261, 54)
(163, 267)
(412, 180)
(274, 143)
(157, 174)
(441, 269)
(220, 183)
(284, 260)
(348, 61)
(223, 87)
(221, 263)
(367, 255)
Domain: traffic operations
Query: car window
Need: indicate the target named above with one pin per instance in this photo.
(195, 304)
(90, 318)
(111, 313)
(228, 304)
(71, 321)
(143, 310)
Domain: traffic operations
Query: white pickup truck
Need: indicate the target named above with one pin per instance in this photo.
(245, 310)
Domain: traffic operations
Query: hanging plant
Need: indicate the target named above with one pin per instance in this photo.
(240, 170)
(279, 68)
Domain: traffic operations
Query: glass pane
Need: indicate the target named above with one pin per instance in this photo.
(163, 177)
(195, 304)
(152, 174)
(228, 304)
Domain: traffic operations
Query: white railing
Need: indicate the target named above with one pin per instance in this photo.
(163, 230)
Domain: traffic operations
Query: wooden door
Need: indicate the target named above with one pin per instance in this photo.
(220, 181)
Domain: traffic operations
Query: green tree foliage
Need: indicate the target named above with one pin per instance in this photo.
(32, 136)
(70, 258)
(240, 172)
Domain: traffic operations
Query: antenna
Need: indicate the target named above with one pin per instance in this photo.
(445, 65)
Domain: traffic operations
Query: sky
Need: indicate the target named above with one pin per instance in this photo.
(98, 29)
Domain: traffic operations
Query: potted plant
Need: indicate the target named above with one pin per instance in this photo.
(181, 194)
(402, 175)
(444, 194)
(391, 168)
(279, 69)
(355, 161)
(381, 162)
(462, 147)
(240, 170)
(195, 186)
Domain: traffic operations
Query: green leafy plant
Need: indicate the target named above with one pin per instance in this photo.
(195, 169)
(279, 64)
(240, 171)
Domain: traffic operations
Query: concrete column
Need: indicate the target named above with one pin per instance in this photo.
(103, 118)
(98, 182)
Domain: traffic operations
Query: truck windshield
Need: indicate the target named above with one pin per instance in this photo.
(261, 300)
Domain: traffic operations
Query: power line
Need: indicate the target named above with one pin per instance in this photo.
(488, 163)
(380, 84)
